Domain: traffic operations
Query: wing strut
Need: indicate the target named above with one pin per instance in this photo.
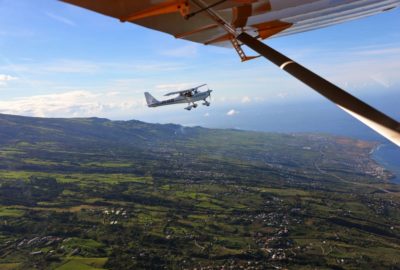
(381, 123)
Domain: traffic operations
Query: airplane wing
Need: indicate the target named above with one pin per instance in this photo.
(178, 92)
(262, 18)
(185, 91)
(244, 22)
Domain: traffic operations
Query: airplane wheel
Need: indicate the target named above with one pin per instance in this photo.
(194, 105)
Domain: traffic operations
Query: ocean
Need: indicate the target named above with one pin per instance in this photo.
(389, 156)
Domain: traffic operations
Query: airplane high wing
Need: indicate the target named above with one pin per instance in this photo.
(235, 23)
(185, 91)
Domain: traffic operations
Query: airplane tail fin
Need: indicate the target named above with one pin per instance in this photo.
(150, 99)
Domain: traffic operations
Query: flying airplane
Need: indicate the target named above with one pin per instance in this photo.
(234, 23)
(189, 96)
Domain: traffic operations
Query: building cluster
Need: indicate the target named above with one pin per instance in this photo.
(38, 242)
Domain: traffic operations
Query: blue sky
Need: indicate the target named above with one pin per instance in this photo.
(57, 60)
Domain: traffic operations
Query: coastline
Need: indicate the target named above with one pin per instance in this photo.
(388, 157)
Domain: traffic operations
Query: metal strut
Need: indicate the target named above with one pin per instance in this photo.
(188, 16)
(239, 50)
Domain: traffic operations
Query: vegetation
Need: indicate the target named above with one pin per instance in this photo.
(97, 194)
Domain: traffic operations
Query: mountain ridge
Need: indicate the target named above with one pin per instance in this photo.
(154, 147)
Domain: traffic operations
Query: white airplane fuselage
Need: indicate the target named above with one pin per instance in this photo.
(190, 99)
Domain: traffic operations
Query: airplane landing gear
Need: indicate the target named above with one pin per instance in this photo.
(194, 105)
(206, 103)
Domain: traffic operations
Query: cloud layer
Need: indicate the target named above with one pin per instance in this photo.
(232, 112)
(6, 78)
(72, 104)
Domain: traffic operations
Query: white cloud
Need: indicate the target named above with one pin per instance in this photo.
(112, 93)
(173, 86)
(379, 51)
(5, 78)
(190, 50)
(152, 67)
(60, 19)
(71, 66)
(282, 95)
(366, 73)
(21, 33)
(232, 112)
(54, 66)
(382, 80)
(72, 104)
(246, 99)
(359, 68)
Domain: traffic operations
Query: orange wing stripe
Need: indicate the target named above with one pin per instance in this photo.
(159, 9)
(268, 29)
